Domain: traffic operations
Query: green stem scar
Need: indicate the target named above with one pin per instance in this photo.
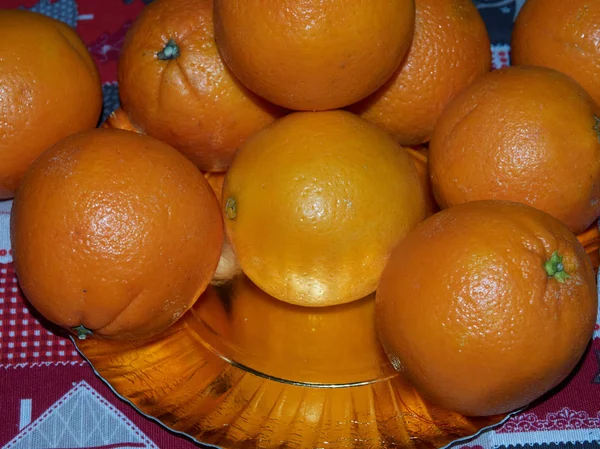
(231, 208)
(82, 331)
(597, 126)
(171, 51)
(555, 269)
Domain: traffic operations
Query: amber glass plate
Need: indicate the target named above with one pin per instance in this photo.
(244, 370)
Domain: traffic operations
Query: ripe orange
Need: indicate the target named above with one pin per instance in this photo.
(563, 35)
(134, 224)
(526, 134)
(118, 119)
(590, 239)
(175, 87)
(216, 179)
(314, 203)
(486, 306)
(50, 88)
(310, 54)
(419, 157)
(449, 50)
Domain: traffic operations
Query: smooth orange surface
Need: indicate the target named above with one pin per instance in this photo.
(563, 35)
(49, 88)
(526, 134)
(114, 231)
(468, 313)
(450, 48)
(310, 54)
(305, 344)
(314, 204)
(190, 101)
(216, 179)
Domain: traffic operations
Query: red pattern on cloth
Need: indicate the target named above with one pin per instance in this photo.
(24, 341)
(60, 394)
(101, 25)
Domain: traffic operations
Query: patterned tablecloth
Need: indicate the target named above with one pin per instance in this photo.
(51, 398)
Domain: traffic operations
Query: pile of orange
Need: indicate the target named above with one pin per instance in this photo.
(332, 152)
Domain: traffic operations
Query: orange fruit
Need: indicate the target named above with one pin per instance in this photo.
(450, 48)
(563, 35)
(313, 55)
(314, 203)
(118, 119)
(486, 306)
(134, 224)
(526, 134)
(180, 378)
(590, 239)
(420, 159)
(175, 87)
(50, 89)
(216, 179)
(228, 267)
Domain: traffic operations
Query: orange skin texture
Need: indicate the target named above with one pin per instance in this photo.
(450, 48)
(191, 102)
(119, 119)
(114, 231)
(590, 238)
(50, 88)
(526, 134)
(483, 329)
(318, 229)
(310, 54)
(563, 35)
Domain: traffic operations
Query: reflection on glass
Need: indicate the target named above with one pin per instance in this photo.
(244, 370)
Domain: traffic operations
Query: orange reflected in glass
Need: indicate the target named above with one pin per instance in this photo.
(244, 370)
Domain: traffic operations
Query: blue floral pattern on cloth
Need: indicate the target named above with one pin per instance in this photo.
(110, 91)
(499, 16)
(64, 10)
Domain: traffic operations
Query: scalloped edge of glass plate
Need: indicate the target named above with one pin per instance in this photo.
(197, 441)
(460, 440)
(480, 431)
(210, 346)
(132, 405)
